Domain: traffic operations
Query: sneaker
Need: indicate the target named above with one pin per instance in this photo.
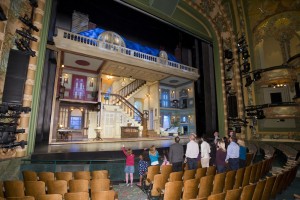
(127, 184)
(131, 185)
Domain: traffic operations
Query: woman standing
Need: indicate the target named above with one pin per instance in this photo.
(220, 157)
(153, 155)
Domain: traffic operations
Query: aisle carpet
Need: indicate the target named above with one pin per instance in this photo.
(129, 193)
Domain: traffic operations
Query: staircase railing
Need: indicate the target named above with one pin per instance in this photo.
(131, 87)
(116, 99)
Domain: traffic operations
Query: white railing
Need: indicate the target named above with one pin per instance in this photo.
(125, 51)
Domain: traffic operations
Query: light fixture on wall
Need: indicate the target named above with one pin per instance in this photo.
(123, 83)
(109, 77)
(92, 82)
(62, 66)
(66, 79)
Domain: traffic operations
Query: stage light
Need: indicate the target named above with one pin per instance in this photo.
(33, 3)
(248, 81)
(256, 76)
(228, 54)
(245, 54)
(2, 15)
(26, 34)
(246, 67)
(260, 114)
(27, 21)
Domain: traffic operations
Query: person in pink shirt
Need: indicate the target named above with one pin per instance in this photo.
(129, 168)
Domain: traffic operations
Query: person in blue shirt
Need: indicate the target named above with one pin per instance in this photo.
(243, 152)
(233, 154)
(153, 155)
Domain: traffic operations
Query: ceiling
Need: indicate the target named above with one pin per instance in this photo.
(89, 65)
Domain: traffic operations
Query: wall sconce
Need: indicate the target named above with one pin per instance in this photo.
(72, 109)
(173, 92)
(108, 77)
(188, 89)
(159, 90)
(81, 109)
(92, 82)
(66, 79)
(62, 66)
(148, 95)
(123, 83)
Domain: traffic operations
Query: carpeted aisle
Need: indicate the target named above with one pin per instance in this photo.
(129, 193)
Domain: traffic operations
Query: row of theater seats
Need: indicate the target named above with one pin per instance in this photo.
(60, 185)
(246, 183)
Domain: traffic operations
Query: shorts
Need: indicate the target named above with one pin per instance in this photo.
(129, 169)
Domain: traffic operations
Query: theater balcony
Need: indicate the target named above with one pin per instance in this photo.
(122, 61)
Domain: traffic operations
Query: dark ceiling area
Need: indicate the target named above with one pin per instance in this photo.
(129, 23)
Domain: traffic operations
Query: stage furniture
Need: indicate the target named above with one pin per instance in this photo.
(129, 132)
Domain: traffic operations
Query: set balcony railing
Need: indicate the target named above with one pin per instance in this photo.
(123, 50)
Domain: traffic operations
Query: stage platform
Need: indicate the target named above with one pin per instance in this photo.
(106, 149)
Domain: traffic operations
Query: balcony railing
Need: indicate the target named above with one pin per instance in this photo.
(125, 51)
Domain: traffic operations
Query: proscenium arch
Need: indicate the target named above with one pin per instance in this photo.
(208, 29)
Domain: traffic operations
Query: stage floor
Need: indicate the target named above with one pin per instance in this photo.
(107, 144)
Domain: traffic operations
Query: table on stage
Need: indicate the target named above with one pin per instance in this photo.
(65, 133)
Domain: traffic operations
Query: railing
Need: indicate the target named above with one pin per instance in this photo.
(125, 51)
(116, 99)
(130, 88)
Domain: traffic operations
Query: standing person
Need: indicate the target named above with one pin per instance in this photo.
(143, 168)
(220, 157)
(243, 152)
(129, 168)
(176, 155)
(216, 137)
(233, 154)
(205, 151)
(165, 158)
(153, 155)
(192, 152)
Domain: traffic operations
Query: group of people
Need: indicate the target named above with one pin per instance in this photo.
(220, 152)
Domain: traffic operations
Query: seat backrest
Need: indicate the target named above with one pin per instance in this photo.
(268, 188)
(276, 185)
(189, 174)
(201, 172)
(253, 173)
(166, 170)
(104, 195)
(100, 174)
(100, 185)
(239, 178)
(152, 171)
(249, 157)
(35, 188)
(57, 187)
(14, 188)
(1, 190)
(173, 190)
(79, 185)
(46, 176)
(29, 175)
(233, 194)
(50, 197)
(219, 183)
(158, 183)
(20, 198)
(86, 175)
(176, 176)
(248, 191)
(220, 196)
(211, 170)
(76, 196)
(247, 174)
(229, 180)
(190, 189)
(258, 171)
(259, 190)
(64, 176)
(206, 186)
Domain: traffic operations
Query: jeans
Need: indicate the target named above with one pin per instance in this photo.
(192, 163)
(221, 168)
(177, 167)
(233, 163)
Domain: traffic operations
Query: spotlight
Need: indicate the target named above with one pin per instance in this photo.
(23, 45)
(228, 54)
(33, 3)
(260, 114)
(248, 81)
(246, 67)
(28, 23)
(245, 54)
(26, 34)
(2, 15)
(256, 76)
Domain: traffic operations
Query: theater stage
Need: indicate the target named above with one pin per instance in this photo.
(108, 148)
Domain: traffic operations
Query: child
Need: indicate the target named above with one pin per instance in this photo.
(166, 158)
(143, 168)
(129, 168)
(153, 155)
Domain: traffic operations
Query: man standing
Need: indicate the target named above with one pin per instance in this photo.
(205, 151)
(192, 152)
(176, 155)
(233, 153)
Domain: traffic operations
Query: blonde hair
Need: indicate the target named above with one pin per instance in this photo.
(152, 150)
(221, 145)
(129, 151)
(241, 142)
(193, 136)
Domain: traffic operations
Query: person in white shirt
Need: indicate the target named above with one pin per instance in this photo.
(192, 152)
(205, 151)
